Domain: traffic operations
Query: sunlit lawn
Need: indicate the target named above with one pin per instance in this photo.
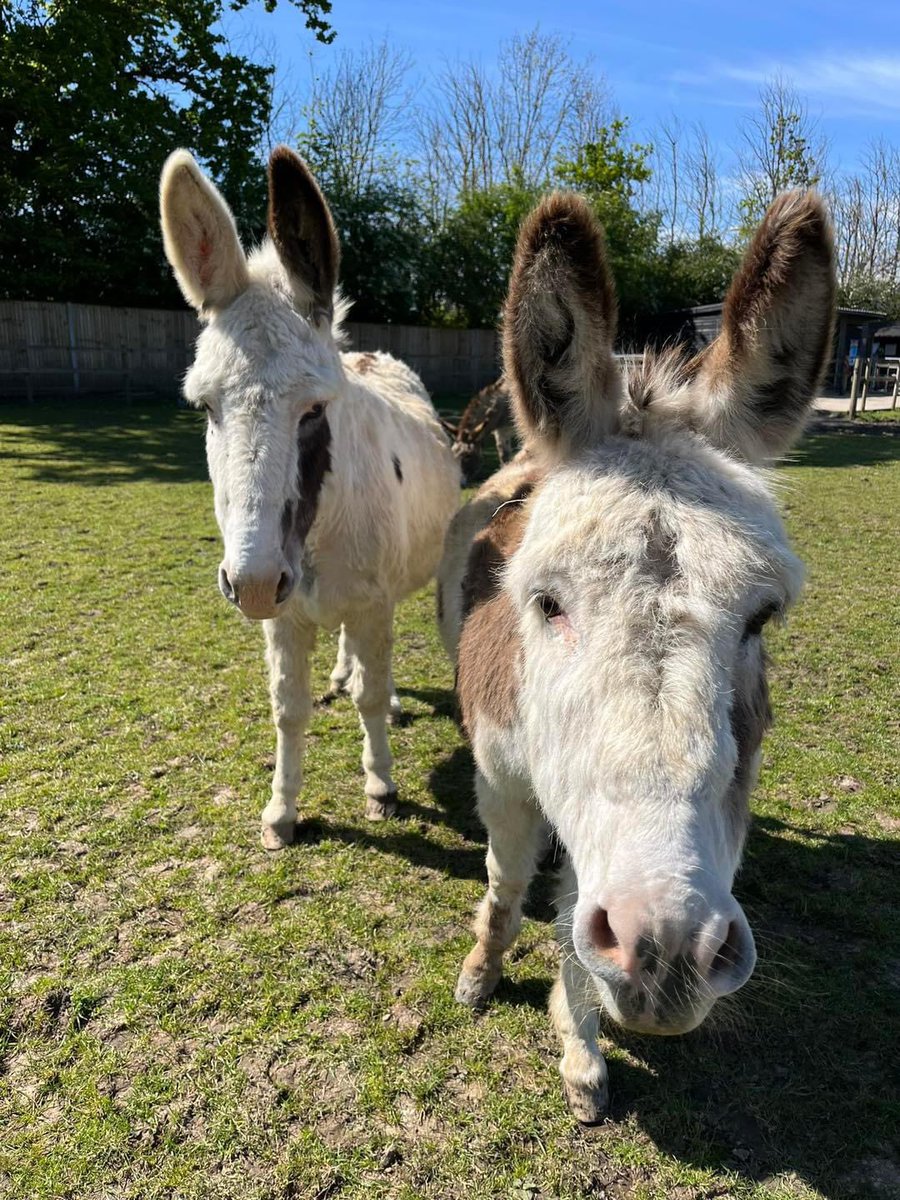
(186, 1016)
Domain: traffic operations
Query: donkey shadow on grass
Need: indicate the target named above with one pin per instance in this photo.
(792, 1075)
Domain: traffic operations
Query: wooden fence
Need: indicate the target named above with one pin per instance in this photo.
(66, 349)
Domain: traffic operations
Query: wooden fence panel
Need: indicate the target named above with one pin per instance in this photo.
(66, 348)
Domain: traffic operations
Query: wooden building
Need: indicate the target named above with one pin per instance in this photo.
(697, 327)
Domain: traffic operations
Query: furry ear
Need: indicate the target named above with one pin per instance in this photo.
(559, 324)
(200, 236)
(755, 383)
(302, 230)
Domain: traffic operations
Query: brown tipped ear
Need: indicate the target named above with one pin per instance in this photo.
(756, 381)
(559, 324)
(200, 236)
(302, 229)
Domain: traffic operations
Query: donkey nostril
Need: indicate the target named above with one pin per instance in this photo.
(601, 932)
(285, 587)
(728, 953)
(225, 586)
(734, 960)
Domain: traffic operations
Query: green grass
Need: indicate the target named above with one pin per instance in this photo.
(182, 1015)
(875, 415)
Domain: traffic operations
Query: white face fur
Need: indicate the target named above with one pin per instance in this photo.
(266, 367)
(266, 377)
(641, 585)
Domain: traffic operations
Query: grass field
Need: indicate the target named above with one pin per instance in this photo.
(182, 1015)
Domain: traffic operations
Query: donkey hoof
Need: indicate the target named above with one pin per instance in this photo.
(380, 808)
(277, 836)
(588, 1105)
(474, 989)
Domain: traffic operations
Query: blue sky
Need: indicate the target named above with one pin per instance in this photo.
(699, 59)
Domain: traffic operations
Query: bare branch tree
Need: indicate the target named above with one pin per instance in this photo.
(781, 147)
(513, 123)
(707, 214)
(357, 112)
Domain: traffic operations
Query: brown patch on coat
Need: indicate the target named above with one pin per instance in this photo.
(489, 649)
(362, 363)
(313, 464)
(301, 228)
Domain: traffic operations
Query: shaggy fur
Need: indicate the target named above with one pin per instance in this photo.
(333, 480)
(488, 412)
(608, 624)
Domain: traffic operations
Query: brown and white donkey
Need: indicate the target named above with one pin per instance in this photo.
(604, 598)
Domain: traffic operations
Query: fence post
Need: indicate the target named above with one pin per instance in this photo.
(865, 386)
(896, 386)
(73, 348)
(854, 388)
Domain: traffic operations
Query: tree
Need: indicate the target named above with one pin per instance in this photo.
(355, 116)
(781, 148)
(386, 251)
(93, 96)
(610, 171)
(510, 124)
(474, 251)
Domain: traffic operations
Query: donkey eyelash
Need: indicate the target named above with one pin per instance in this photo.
(549, 605)
(759, 620)
(312, 414)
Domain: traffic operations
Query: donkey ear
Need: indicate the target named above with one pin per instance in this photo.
(302, 229)
(559, 324)
(200, 236)
(756, 381)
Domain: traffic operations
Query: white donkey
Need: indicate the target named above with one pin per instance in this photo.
(604, 596)
(334, 482)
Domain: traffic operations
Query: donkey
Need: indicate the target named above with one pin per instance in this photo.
(333, 480)
(604, 597)
(487, 412)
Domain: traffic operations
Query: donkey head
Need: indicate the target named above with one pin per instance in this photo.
(266, 367)
(652, 557)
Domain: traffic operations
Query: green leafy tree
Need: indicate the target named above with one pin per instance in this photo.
(609, 172)
(688, 273)
(386, 246)
(872, 292)
(93, 95)
(782, 148)
(473, 254)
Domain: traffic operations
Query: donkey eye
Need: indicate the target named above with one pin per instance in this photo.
(312, 414)
(548, 606)
(756, 623)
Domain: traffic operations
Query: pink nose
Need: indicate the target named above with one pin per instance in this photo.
(257, 595)
(626, 940)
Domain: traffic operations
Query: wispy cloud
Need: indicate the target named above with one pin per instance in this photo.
(844, 85)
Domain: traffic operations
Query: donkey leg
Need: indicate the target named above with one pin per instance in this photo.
(515, 835)
(343, 667)
(288, 647)
(369, 640)
(574, 1012)
(395, 713)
